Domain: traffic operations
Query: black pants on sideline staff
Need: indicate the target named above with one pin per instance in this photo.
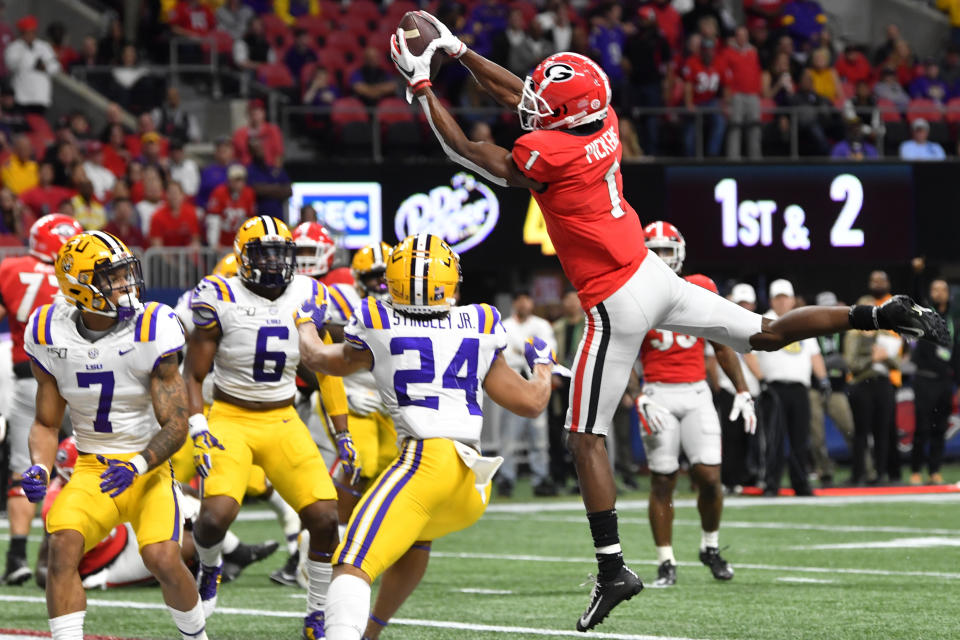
(873, 404)
(736, 444)
(794, 422)
(933, 404)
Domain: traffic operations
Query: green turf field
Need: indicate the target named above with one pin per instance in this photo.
(894, 573)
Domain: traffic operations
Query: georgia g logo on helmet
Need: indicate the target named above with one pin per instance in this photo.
(559, 72)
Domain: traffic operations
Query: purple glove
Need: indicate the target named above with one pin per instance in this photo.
(34, 483)
(537, 351)
(119, 475)
(313, 310)
(348, 454)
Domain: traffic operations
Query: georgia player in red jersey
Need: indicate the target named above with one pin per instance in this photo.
(570, 161)
(676, 411)
(27, 282)
(315, 253)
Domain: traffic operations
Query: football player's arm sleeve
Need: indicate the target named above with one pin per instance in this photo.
(331, 359)
(489, 160)
(730, 363)
(502, 85)
(169, 395)
(50, 407)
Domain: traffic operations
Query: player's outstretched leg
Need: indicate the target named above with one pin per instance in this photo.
(660, 513)
(66, 601)
(348, 603)
(396, 585)
(217, 513)
(320, 519)
(615, 582)
(710, 506)
(163, 560)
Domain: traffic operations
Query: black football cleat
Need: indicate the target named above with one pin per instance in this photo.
(666, 575)
(287, 575)
(606, 595)
(906, 317)
(719, 567)
(17, 571)
(245, 555)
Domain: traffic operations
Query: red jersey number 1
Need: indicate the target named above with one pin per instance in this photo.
(611, 177)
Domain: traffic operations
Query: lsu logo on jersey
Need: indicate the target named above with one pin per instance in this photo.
(793, 348)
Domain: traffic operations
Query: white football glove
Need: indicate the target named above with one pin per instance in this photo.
(415, 69)
(364, 403)
(743, 406)
(654, 418)
(446, 41)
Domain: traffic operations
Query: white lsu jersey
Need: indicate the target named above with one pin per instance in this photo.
(259, 348)
(106, 383)
(430, 372)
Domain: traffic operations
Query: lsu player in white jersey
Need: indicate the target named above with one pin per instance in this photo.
(245, 327)
(371, 426)
(432, 362)
(113, 361)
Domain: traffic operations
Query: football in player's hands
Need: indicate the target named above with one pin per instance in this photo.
(419, 32)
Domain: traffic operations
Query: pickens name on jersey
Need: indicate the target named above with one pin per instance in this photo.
(106, 383)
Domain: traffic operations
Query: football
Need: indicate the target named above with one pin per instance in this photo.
(419, 33)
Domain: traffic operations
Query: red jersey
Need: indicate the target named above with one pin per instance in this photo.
(705, 79)
(674, 357)
(743, 70)
(198, 19)
(176, 231)
(26, 283)
(44, 200)
(232, 208)
(340, 275)
(597, 234)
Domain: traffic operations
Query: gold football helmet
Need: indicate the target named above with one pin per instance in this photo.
(227, 267)
(91, 267)
(368, 267)
(423, 273)
(266, 252)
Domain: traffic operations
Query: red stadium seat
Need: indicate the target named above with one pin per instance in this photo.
(345, 42)
(275, 75)
(358, 26)
(926, 109)
(306, 74)
(347, 110)
(365, 9)
(317, 26)
(888, 110)
(849, 90)
(222, 40)
(332, 59)
(953, 111)
(40, 128)
(392, 110)
(274, 26)
(330, 9)
(396, 10)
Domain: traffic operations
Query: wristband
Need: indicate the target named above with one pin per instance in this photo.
(139, 463)
(864, 317)
(197, 423)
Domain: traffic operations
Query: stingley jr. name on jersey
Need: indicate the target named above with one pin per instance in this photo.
(259, 348)
(106, 383)
(431, 371)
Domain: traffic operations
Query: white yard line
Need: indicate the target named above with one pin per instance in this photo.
(438, 624)
(759, 567)
(803, 580)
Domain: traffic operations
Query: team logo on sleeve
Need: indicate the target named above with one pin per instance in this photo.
(559, 72)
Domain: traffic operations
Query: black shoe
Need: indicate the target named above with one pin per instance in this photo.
(770, 492)
(545, 489)
(607, 595)
(18, 571)
(666, 575)
(719, 567)
(245, 555)
(903, 315)
(505, 489)
(288, 574)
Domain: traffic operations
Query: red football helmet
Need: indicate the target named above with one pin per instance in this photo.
(666, 241)
(565, 90)
(51, 232)
(66, 458)
(315, 249)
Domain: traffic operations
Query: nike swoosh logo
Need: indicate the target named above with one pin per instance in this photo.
(585, 618)
(406, 72)
(125, 352)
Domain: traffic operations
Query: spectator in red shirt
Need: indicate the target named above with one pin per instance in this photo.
(770, 11)
(230, 204)
(45, 197)
(175, 224)
(269, 134)
(745, 86)
(902, 61)
(671, 25)
(853, 66)
(191, 18)
(115, 154)
(124, 224)
(703, 75)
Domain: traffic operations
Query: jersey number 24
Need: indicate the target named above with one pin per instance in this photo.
(466, 358)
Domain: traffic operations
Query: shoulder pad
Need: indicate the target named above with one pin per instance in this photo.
(41, 324)
(218, 286)
(374, 315)
(487, 317)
